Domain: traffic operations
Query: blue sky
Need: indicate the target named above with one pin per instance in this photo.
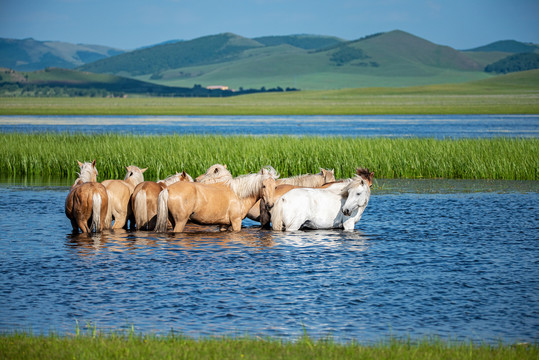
(128, 24)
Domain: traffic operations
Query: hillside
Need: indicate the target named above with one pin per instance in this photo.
(64, 82)
(30, 54)
(395, 58)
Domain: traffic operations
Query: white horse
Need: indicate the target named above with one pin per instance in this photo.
(338, 206)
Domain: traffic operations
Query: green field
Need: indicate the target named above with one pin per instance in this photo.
(56, 155)
(96, 345)
(516, 93)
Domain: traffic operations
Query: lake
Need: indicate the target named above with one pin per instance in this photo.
(457, 259)
(453, 258)
(437, 126)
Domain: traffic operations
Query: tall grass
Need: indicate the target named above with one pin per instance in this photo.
(56, 155)
(137, 346)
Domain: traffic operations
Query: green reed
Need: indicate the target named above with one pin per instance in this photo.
(56, 155)
(129, 345)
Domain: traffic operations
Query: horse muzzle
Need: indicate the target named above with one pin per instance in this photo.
(346, 212)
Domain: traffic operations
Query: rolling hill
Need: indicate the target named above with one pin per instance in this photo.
(391, 59)
(30, 54)
(395, 58)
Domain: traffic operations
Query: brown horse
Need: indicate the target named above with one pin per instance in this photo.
(220, 203)
(307, 180)
(86, 205)
(144, 199)
(119, 195)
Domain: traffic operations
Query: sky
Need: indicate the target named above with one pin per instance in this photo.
(130, 24)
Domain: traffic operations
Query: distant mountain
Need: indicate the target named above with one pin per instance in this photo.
(200, 51)
(30, 54)
(507, 46)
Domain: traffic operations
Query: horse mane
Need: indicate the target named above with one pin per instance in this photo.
(171, 179)
(248, 185)
(366, 174)
(86, 172)
(353, 182)
(209, 175)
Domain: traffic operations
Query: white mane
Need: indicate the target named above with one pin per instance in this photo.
(87, 172)
(175, 178)
(247, 185)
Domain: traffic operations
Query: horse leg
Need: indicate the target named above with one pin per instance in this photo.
(119, 220)
(236, 224)
(179, 224)
(75, 225)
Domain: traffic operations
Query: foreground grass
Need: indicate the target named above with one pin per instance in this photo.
(56, 155)
(132, 346)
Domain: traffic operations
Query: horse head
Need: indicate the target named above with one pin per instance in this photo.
(328, 175)
(185, 177)
(357, 192)
(88, 171)
(267, 192)
(215, 174)
(134, 174)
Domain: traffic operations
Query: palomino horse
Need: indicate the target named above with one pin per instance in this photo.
(120, 193)
(144, 199)
(220, 203)
(340, 205)
(307, 180)
(86, 205)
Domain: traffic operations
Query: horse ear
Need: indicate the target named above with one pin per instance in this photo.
(143, 170)
(93, 163)
(80, 164)
(184, 174)
(225, 166)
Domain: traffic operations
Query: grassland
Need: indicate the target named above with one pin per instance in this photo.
(132, 346)
(516, 93)
(56, 155)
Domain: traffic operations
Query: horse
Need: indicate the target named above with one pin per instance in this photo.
(310, 180)
(340, 205)
(119, 195)
(86, 204)
(257, 212)
(208, 202)
(144, 199)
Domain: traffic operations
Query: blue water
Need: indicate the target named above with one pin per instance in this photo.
(457, 259)
(437, 126)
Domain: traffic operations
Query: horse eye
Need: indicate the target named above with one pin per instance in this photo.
(216, 171)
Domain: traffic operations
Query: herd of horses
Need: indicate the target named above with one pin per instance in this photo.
(310, 201)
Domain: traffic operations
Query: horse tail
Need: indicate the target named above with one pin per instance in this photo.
(96, 212)
(107, 222)
(162, 211)
(277, 216)
(140, 210)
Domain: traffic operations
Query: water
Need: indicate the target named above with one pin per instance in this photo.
(457, 259)
(437, 126)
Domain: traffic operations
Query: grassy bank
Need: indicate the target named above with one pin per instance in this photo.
(335, 102)
(56, 155)
(516, 93)
(132, 346)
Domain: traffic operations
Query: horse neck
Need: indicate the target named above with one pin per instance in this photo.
(245, 186)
